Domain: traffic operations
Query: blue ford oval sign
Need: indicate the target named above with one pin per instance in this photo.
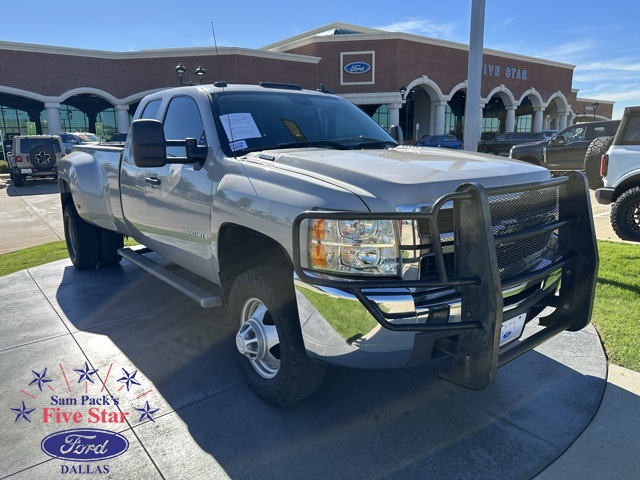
(357, 68)
(84, 444)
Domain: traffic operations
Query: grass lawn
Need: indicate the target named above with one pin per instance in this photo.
(616, 312)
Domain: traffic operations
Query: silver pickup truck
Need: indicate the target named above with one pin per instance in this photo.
(331, 243)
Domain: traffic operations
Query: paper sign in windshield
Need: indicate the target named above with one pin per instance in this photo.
(239, 126)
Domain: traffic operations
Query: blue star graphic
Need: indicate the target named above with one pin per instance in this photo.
(147, 412)
(86, 373)
(23, 412)
(40, 378)
(129, 379)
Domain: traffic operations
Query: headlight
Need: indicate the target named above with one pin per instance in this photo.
(363, 247)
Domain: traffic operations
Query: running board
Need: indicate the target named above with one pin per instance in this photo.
(205, 299)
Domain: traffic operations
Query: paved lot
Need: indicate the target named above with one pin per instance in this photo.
(204, 422)
(189, 414)
(30, 215)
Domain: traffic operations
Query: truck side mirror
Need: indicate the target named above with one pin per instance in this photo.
(557, 140)
(148, 144)
(396, 133)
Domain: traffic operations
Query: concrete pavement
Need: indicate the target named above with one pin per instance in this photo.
(553, 413)
(29, 215)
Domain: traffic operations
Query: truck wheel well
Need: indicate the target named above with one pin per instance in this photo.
(626, 185)
(241, 249)
(65, 193)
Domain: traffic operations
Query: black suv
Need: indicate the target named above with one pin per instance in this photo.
(565, 150)
(502, 143)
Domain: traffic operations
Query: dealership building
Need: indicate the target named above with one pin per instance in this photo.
(416, 82)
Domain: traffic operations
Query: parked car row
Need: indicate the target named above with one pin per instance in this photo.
(441, 141)
(567, 149)
(502, 142)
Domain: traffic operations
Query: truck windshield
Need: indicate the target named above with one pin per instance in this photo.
(257, 120)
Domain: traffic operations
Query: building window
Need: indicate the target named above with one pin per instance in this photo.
(490, 124)
(381, 116)
(108, 119)
(523, 123)
(14, 121)
(72, 119)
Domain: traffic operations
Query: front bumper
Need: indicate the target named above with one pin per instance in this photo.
(455, 320)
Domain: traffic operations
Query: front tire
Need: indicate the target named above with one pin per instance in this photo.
(269, 346)
(625, 215)
(83, 239)
(592, 160)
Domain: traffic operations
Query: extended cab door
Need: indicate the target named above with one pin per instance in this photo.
(177, 214)
(567, 155)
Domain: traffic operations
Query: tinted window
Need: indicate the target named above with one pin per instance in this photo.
(182, 121)
(633, 130)
(574, 134)
(611, 129)
(28, 144)
(451, 138)
(151, 109)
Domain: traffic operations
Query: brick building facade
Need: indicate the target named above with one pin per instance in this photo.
(414, 81)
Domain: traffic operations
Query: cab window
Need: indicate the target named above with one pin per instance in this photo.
(183, 120)
(151, 109)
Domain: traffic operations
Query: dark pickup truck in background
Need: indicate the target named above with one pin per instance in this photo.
(502, 143)
(566, 150)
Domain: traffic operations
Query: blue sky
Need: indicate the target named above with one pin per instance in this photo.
(602, 38)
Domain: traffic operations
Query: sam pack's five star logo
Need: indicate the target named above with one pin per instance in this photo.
(85, 374)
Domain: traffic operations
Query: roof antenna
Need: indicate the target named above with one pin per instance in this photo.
(222, 85)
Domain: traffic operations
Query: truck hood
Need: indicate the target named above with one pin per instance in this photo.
(386, 179)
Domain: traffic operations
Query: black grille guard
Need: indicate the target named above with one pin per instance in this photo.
(477, 280)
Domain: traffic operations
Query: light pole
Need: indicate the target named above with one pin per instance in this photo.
(594, 107)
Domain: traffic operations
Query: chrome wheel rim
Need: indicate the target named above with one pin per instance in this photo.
(257, 338)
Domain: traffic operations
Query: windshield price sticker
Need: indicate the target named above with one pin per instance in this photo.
(239, 126)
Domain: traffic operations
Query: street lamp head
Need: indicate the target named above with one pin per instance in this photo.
(180, 70)
(200, 72)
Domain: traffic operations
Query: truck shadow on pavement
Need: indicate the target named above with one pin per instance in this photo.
(360, 424)
(32, 187)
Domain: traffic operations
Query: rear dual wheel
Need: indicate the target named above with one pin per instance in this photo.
(88, 245)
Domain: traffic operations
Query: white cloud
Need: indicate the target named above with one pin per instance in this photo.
(419, 26)
(568, 52)
(624, 64)
(508, 21)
